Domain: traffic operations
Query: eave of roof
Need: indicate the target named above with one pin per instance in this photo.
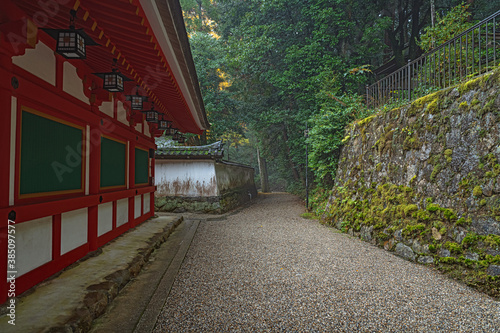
(150, 43)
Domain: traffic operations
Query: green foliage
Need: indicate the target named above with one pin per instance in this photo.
(327, 134)
(453, 23)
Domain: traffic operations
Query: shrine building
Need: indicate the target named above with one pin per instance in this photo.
(85, 87)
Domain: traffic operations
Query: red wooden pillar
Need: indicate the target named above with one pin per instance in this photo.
(152, 198)
(6, 91)
(56, 237)
(94, 166)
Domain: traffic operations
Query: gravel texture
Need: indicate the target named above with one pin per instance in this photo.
(266, 269)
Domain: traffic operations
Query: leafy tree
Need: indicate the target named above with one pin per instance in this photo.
(453, 23)
(279, 64)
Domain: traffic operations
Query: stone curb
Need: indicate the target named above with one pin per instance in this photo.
(99, 296)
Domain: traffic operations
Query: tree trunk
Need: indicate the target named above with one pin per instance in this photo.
(470, 19)
(414, 50)
(264, 179)
(296, 175)
(203, 138)
(433, 13)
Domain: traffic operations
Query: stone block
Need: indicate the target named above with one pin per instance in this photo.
(405, 252)
(493, 270)
(425, 260)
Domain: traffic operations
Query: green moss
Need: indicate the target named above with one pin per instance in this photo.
(344, 140)
(482, 202)
(413, 229)
(433, 106)
(447, 154)
(365, 121)
(469, 85)
(422, 215)
(492, 241)
(462, 222)
(412, 142)
(449, 214)
(470, 240)
(383, 236)
(443, 230)
(463, 104)
(437, 169)
(453, 247)
(489, 106)
(448, 260)
(308, 216)
(477, 191)
(433, 207)
(410, 208)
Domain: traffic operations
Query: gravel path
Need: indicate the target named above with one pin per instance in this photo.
(266, 269)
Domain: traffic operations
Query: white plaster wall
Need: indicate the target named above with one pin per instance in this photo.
(137, 206)
(104, 218)
(74, 226)
(147, 203)
(39, 61)
(138, 128)
(146, 129)
(121, 113)
(230, 177)
(193, 178)
(72, 84)
(33, 244)
(121, 212)
(107, 108)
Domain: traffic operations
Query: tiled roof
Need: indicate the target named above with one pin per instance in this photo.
(212, 151)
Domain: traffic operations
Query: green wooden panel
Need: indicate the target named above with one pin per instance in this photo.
(51, 157)
(141, 166)
(113, 162)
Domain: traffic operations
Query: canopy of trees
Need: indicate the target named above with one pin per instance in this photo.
(268, 67)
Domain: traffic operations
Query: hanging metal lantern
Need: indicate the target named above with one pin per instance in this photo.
(163, 124)
(71, 43)
(136, 100)
(113, 81)
(170, 131)
(151, 115)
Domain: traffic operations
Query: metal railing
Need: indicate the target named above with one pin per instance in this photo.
(468, 54)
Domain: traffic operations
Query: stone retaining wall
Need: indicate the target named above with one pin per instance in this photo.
(424, 181)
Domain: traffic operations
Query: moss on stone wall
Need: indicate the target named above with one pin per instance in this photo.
(427, 177)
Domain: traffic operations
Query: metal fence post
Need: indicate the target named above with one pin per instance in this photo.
(409, 81)
(367, 97)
